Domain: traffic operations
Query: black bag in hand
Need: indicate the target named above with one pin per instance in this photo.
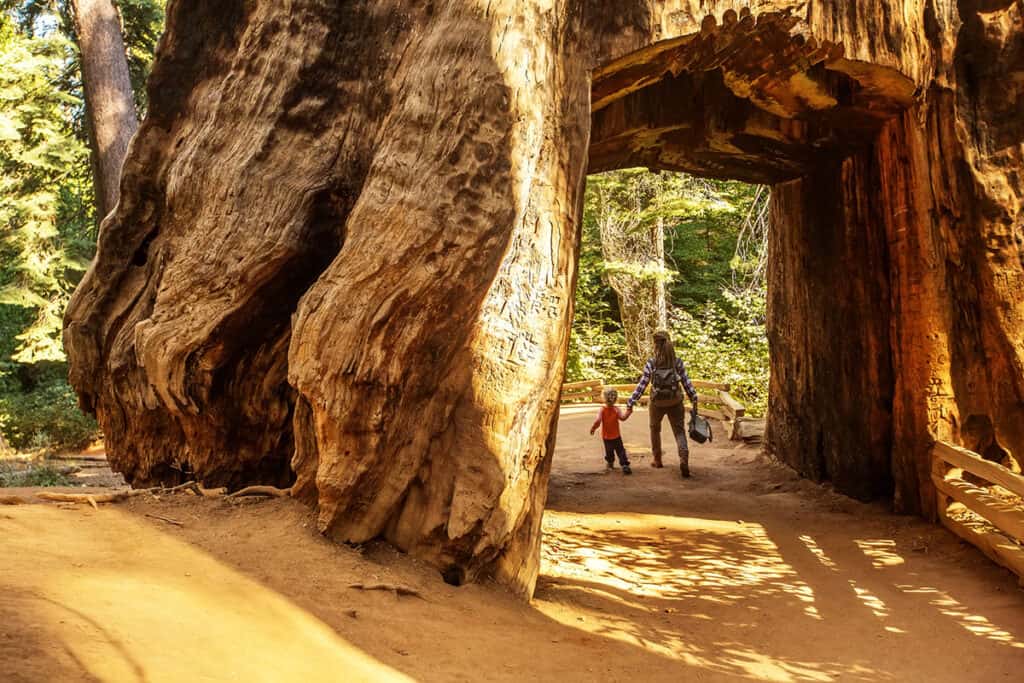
(700, 429)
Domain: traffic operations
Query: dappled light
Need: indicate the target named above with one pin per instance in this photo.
(744, 572)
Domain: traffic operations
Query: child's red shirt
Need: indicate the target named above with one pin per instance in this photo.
(609, 418)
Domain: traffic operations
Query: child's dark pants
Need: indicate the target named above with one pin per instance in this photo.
(613, 447)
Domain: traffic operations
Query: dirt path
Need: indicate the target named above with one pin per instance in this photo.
(742, 573)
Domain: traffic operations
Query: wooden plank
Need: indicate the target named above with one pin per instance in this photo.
(995, 546)
(709, 398)
(704, 384)
(585, 384)
(1007, 517)
(733, 408)
(708, 412)
(975, 464)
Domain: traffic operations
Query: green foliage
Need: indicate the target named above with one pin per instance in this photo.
(47, 224)
(718, 329)
(32, 476)
(143, 23)
(45, 416)
(44, 175)
(727, 346)
(702, 221)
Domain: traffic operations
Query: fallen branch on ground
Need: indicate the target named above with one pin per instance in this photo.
(93, 498)
(391, 587)
(13, 500)
(269, 491)
(115, 496)
(166, 519)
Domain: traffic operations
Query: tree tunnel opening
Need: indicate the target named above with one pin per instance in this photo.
(752, 102)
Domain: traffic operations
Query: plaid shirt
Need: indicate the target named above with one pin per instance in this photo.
(645, 379)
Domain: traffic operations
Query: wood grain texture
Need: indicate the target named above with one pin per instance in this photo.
(345, 252)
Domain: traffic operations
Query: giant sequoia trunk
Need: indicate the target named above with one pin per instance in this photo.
(109, 107)
(345, 254)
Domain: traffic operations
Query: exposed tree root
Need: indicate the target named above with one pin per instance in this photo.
(213, 493)
(269, 491)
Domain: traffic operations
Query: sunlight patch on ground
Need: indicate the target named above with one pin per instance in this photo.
(669, 557)
(161, 610)
(882, 552)
(974, 624)
(689, 569)
(820, 554)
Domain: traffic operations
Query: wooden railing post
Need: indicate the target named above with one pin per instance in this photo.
(993, 523)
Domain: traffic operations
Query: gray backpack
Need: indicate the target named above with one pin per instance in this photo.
(665, 387)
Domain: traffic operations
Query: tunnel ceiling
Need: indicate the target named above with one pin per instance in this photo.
(752, 100)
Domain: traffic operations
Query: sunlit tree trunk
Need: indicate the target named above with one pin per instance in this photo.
(109, 107)
(634, 256)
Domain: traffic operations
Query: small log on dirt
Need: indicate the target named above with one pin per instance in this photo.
(90, 498)
(390, 587)
(13, 500)
(78, 457)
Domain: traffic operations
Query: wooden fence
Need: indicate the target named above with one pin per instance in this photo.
(989, 515)
(714, 401)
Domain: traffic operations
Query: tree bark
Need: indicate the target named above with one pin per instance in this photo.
(345, 254)
(635, 256)
(109, 107)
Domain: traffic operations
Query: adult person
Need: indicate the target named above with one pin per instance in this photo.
(665, 373)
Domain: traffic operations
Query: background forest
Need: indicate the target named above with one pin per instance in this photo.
(658, 249)
(669, 250)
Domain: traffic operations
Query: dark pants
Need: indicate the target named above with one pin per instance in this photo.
(613, 447)
(677, 418)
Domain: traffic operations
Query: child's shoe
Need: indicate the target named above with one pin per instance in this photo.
(626, 470)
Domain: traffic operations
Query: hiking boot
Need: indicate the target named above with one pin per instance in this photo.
(684, 467)
(609, 465)
(657, 462)
(626, 470)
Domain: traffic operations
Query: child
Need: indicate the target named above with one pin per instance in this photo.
(609, 418)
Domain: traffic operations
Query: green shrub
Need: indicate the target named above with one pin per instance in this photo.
(727, 346)
(32, 476)
(45, 417)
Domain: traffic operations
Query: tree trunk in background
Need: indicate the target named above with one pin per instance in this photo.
(109, 107)
(635, 257)
(346, 250)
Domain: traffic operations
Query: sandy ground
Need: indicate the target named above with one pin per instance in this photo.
(742, 573)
